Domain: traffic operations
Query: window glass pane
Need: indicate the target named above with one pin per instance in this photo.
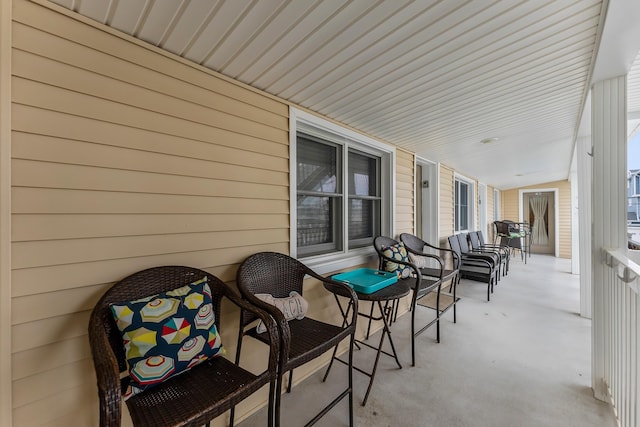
(317, 166)
(318, 224)
(461, 208)
(464, 195)
(456, 206)
(364, 222)
(464, 218)
(363, 175)
(364, 202)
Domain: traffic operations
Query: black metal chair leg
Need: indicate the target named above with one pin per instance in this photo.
(351, 345)
(290, 381)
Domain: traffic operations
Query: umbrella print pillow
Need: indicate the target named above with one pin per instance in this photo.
(167, 334)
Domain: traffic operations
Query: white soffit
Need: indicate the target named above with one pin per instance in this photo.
(434, 77)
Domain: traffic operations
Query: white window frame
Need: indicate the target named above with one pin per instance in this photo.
(347, 138)
(471, 201)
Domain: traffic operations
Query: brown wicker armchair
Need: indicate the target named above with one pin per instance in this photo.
(301, 340)
(192, 398)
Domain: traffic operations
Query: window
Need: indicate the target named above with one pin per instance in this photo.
(463, 210)
(637, 182)
(496, 204)
(342, 185)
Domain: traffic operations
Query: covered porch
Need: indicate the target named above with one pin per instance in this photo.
(523, 359)
(118, 154)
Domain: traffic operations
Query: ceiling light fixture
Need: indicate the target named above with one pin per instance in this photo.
(489, 140)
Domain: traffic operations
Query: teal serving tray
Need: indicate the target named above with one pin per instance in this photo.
(366, 280)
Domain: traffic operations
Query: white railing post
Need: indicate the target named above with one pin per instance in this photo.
(609, 164)
(621, 379)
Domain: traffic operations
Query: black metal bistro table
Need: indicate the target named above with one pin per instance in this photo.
(382, 300)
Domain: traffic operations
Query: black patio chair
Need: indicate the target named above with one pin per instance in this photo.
(477, 247)
(197, 395)
(475, 268)
(503, 249)
(465, 249)
(422, 251)
(302, 340)
(420, 287)
(514, 235)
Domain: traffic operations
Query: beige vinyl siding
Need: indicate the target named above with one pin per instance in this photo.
(123, 158)
(405, 185)
(6, 390)
(446, 203)
(510, 204)
(488, 233)
(564, 219)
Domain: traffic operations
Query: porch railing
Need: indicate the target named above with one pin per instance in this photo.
(622, 335)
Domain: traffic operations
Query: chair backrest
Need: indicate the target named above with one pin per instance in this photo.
(474, 239)
(480, 238)
(413, 242)
(379, 243)
(502, 228)
(464, 244)
(139, 285)
(454, 243)
(271, 273)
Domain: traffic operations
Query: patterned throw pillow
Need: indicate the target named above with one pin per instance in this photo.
(292, 307)
(397, 252)
(167, 334)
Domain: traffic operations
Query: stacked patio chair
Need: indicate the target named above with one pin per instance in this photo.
(475, 267)
(477, 247)
(465, 249)
(504, 249)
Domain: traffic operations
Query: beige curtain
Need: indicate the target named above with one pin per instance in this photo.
(538, 206)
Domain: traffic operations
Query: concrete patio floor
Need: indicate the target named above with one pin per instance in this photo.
(522, 359)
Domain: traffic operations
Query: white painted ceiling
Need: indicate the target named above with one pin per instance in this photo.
(435, 77)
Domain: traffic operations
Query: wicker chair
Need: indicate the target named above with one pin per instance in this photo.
(478, 245)
(419, 248)
(301, 340)
(494, 258)
(514, 235)
(192, 398)
(420, 287)
(473, 267)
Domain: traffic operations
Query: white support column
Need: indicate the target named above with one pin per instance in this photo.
(575, 221)
(5, 214)
(583, 150)
(609, 138)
